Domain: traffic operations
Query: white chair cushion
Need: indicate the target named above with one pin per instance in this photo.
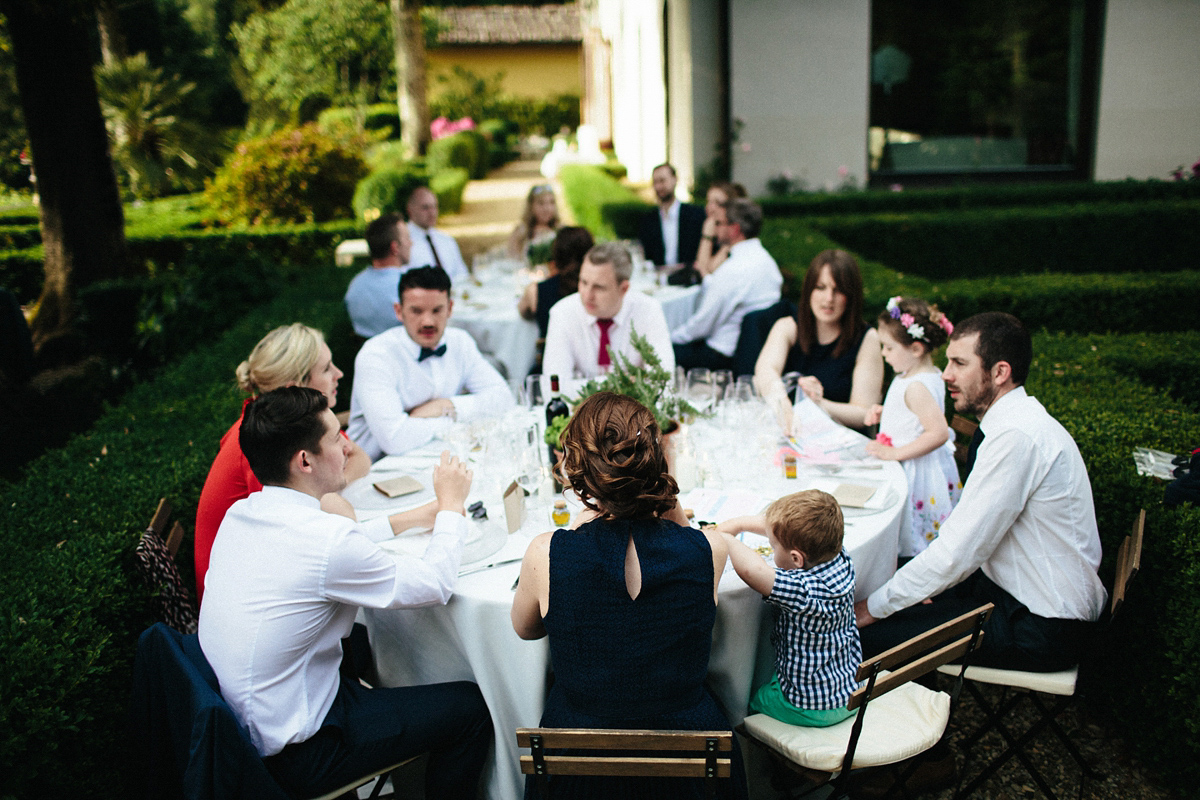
(902, 723)
(1060, 683)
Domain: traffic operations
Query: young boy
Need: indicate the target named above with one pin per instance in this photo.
(812, 585)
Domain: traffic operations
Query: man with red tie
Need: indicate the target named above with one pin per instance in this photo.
(587, 327)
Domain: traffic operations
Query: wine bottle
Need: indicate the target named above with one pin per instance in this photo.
(556, 408)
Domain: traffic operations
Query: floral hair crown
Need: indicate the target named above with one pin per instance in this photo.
(911, 326)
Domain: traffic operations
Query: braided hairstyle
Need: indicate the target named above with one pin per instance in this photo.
(613, 458)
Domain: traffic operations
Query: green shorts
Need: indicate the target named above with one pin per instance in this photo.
(769, 700)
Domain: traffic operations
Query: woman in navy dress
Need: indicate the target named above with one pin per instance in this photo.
(628, 597)
(828, 343)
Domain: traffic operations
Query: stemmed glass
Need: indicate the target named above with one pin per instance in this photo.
(530, 470)
(722, 379)
(700, 388)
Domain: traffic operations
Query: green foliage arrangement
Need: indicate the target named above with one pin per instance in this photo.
(386, 190)
(590, 192)
(992, 242)
(649, 384)
(297, 175)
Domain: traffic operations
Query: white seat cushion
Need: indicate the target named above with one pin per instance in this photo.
(902, 723)
(1060, 683)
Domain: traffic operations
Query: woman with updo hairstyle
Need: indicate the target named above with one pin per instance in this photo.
(566, 257)
(628, 596)
(291, 355)
(828, 343)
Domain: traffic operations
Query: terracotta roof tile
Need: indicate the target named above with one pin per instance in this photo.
(547, 24)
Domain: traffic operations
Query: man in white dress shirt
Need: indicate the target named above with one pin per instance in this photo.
(431, 247)
(1023, 535)
(371, 297)
(283, 587)
(413, 381)
(587, 327)
(749, 280)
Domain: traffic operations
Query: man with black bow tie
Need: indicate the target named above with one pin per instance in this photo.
(415, 380)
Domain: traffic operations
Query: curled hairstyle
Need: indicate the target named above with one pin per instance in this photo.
(279, 424)
(848, 280)
(809, 521)
(746, 214)
(382, 231)
(571, 244)
(923, 314)
(613, 458)
(284, 356)
(612, 253)
(528, 219)
(434, 278)
(1002, 337)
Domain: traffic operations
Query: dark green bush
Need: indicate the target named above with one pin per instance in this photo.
(456, 150)
(448, 185)
(625, 217)
(960, 198)
(19, 216)
(21, 273)
(615, 169)
(382, 118)
(386, 190)
(296, 175)
(1159, 236)
(482, 153)
(1170, 361)
(70, 605)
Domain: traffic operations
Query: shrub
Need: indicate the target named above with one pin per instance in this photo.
(1120, 237)
(388, 155)
(590, 192)
(383, 119)
(456, 150)
(384, 191)
(960, 198)
(70, 606)
(16, 237)
(21, 273)
(448, 185)
(296, 175)
(1170, 361)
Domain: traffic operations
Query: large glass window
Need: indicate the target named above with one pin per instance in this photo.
(977, 88)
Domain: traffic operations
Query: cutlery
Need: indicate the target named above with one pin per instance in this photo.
(483, 567)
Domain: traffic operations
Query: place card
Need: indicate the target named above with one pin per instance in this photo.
(514, 507)
(398, 487)
(853, 495)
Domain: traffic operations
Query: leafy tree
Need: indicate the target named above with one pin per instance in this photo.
(153, 145)
(12, 123)
(330, 51)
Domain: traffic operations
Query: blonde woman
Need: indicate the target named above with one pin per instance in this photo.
(291, 355)
(538, 223)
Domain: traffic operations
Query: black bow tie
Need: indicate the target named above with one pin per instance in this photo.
(428, 353)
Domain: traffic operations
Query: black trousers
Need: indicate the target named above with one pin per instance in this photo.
(1014, 638)
(369, 729)
(699, 354)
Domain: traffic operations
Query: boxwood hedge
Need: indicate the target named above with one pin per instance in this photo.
(70, 604)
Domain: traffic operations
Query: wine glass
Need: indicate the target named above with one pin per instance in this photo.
(700, 388)
(722, 379)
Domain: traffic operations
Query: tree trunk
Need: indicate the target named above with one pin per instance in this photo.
(112, 35)
(410, 74)
(83, 225)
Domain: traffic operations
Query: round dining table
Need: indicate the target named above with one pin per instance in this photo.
(737, 471)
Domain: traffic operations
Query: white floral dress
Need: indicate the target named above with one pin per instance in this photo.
(933, 483)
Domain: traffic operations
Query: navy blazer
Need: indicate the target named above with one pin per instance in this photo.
(691, 223)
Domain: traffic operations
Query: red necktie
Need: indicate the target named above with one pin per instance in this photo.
(602, 357)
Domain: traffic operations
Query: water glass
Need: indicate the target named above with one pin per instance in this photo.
(700, 388)
(531, 392)
(722, 380)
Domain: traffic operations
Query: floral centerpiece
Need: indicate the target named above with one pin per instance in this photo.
(649, 384)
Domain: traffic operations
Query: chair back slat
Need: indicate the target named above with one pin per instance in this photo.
(628, 767)
(605, 739)
(932, 638)
(913, 670)
(963, 425)
(1129, 561)
(158, 523)
(175, 538)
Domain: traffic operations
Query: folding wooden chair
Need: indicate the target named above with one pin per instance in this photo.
(1030, 686)
(156, 563)
(905, 720)
(632, 753)
(965, 428)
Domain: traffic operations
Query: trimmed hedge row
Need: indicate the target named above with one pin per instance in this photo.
(959, 198)
(1170, 361)
(1162, 236)
(70, 604)
(17, 237)
(591, 193)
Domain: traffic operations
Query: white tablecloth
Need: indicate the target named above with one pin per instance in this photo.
(471, 638)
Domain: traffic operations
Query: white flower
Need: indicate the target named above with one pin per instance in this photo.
(916, 331)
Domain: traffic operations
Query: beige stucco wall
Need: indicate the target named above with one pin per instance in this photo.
(800, 79)
(529, 70)
(1149, 116)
